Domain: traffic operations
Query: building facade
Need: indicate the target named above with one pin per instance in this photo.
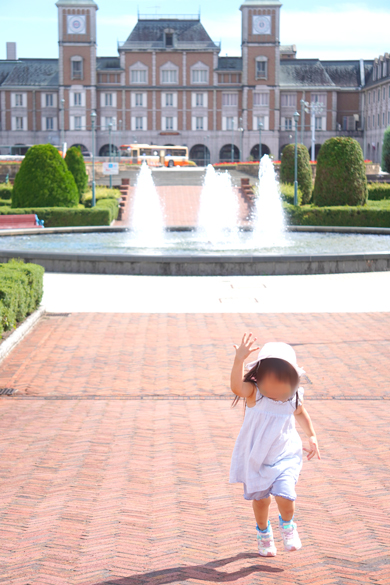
(169, 85)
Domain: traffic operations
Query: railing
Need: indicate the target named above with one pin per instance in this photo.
(168, 16)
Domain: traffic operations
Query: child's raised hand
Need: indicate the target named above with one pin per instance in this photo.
(313, 450)
(245, 349)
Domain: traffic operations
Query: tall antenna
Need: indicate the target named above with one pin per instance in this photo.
(199, 12)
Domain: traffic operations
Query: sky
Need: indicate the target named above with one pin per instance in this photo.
(324, 30)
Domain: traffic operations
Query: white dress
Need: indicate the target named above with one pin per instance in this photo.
(268, 444)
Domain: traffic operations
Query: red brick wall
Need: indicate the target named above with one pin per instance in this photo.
(254, 52)
(83, 52)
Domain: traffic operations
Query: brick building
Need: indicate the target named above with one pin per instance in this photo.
(169, 85)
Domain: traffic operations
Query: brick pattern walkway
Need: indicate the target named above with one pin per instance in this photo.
(181, 205)
(171, 355)
(127, 491)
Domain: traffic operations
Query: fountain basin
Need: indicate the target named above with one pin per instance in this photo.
(91, 256)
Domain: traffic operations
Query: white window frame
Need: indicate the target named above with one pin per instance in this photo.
(48, 126)
(318, 123)
(78, 119)
(199, 123)
(23, 100)
(288, 100)
(195, 100)
(199, 100)
(169, 74)
(166, 126)
(261, 74)
(200, 73)
(226, 123)
(135, 123)
(168, 123)
(108, 99)
(229, 99)
(19, 123)
(168, 102)
(264, 118)
(49, 100)
(77, 101)
(319, 98)
(288, 124)
(199, 120)
(261, 99)
(138, 74)
(139, 100)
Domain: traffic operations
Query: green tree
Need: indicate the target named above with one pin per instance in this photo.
(341, 173)
(386, 151)
(305, 180)
(75, 162)
(44, 180)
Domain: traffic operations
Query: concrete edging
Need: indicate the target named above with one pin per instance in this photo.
(16, 337)
(203, 265)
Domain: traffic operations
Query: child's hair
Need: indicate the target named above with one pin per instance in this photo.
(283, 371)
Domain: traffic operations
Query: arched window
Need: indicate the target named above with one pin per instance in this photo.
(169, 73)
(199, 73)
(76, 63)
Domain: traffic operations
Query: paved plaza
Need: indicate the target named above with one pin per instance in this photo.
(116, 446)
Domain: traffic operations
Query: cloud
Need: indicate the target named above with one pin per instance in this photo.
(346, 33)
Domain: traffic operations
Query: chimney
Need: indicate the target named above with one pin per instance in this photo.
(11, 51)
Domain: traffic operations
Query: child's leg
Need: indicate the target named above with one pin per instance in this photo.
(286, 508)
(261, 510)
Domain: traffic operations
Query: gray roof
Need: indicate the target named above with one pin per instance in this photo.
(39, 72)
(316, 73)
(149, 34)
(229, 64)
(108, 64)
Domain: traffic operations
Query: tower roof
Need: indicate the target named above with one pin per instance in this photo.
(76, 3)
(260, 3)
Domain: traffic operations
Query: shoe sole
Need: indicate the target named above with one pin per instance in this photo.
(268, 555)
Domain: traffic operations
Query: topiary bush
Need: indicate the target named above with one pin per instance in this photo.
(386, 151)
(341, 173)
(378, 191)
(287, 193)
(305, 178)
(75, 163)
(44, 180)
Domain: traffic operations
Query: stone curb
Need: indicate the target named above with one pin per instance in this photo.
(16, 337)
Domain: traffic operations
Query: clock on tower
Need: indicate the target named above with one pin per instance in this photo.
(261, 25)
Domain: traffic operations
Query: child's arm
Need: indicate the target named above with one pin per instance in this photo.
(304, 420)
(237, 385)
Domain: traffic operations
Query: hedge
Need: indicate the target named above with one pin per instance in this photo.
(287, 193)
(111, 205)
(287, 169)
(64, 216)
(378, 191)
(44, 180)
(358, 216)
(100, 193)
(21, 288)
(341, 173)
(75, 163)
(385, 163)
(6, 191)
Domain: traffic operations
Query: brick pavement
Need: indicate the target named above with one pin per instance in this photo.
(181, 205)
(118, 490)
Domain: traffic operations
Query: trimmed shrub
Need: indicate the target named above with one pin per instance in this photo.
(341, 174)
(338, 216)
(111, 205)
(75, 163)
(44, 180)
(5, 202)
(378, 191)
(6, 191)
(386, 151)
(65, 217)
(20, 292)
(287, 193)
(305, 177)
(100, 193)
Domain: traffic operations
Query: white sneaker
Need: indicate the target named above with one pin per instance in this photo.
(265, 542)
(289, 532)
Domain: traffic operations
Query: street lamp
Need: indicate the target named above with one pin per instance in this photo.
(241, 129)
(261, 126)
(109, 148)
(304, 108)
(93, 120)
(296, 119)
(62, 125)
(208, 149)
(315, 108)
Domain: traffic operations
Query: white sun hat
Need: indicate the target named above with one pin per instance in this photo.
(279, 350)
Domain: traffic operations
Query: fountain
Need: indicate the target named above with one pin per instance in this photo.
(218, 209)
(147, 218)
(269, 226)
(215, 246)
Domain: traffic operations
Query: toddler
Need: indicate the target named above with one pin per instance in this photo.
(267, 457)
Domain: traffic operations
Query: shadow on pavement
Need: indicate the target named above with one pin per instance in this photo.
(206, 572)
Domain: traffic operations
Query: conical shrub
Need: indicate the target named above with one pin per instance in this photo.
(44, 180)
(75, 162)
(305, 180)
(341, 174)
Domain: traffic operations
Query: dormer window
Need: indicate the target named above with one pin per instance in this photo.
(169, 39)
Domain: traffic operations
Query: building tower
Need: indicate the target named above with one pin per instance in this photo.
(77, 66)
(261, 63)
